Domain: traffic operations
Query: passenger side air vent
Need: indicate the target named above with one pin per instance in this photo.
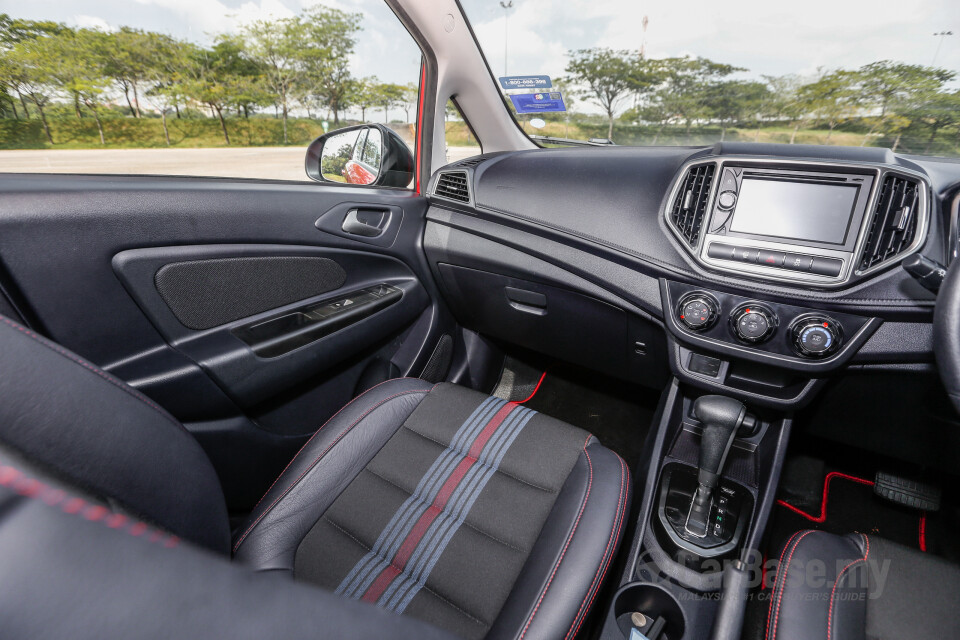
(893, 227)
(690, 206)
(453, 186)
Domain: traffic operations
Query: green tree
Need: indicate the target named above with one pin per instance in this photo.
(833, 98)
(129, 55)
(783, 101)
(364, 94)
(80, 70)
(389, 95)
(602, 76)
(277, 47)
(14, 31)
(685, 91)
(732, 101)
(329, 41)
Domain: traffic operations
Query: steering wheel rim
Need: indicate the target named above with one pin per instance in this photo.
(946, 333)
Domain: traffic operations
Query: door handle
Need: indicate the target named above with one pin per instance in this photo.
(368, 223)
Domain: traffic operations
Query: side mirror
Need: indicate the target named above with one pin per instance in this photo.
(368, 154)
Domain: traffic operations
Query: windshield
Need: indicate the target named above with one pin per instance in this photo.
(865, 73)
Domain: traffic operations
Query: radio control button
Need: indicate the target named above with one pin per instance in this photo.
(770, 258)
(826, 266)
(726, 200)
(797, 262)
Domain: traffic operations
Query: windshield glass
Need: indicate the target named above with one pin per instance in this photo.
(859, 73)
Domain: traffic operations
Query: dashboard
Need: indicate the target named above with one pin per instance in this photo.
(765, 267)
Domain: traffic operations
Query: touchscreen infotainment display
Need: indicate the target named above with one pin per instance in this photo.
(815, 212)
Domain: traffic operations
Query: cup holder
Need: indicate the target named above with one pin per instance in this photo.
(652, 601)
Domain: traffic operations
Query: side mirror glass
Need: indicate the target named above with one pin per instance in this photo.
(365, 155)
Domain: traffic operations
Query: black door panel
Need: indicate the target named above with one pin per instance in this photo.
(81, 254)
(249, 378)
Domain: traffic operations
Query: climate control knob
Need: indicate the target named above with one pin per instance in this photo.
(753, 323)
(698, 311)
(816, 336)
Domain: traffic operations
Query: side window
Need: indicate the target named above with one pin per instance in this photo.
(180, 91)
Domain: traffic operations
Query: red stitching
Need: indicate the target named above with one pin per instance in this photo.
(833, 591)
(583, 506)
(781, 570)
(72, 505)
(103, 374)
(314, 463)
(605, 562)
(535, 389)
(341, 409)
(783, 584)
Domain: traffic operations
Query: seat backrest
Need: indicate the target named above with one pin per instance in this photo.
(77, 422)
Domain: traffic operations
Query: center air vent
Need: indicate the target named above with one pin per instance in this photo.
(453, 186)
(893, 227)
(690, 205)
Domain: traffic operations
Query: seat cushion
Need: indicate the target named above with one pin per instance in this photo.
(478, 515)
(855, 586)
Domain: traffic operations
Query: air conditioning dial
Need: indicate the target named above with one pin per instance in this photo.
(698, 311)
(816, 336)
(753, 323)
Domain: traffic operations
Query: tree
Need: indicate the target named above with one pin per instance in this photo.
(277, 46)
(939, 110)
(14, 31)
(364, 94)
(893, 88)
(82, 57)
(128, 58)
(329, 40)
(833, 98)
(409, 100)
(684, 93)
(32, 62)
(783, 101)
(165, 77)
(732, 101)
(388, 95)
(602, 76)
(209, 83)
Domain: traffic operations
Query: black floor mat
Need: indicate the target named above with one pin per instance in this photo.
(617, 413)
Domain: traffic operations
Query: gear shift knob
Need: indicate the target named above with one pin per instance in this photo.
(721, 417)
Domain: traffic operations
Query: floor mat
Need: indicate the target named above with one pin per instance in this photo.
(617, 413)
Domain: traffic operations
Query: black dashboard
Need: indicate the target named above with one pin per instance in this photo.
(763, 262)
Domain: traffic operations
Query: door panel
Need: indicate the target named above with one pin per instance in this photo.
(82, 254)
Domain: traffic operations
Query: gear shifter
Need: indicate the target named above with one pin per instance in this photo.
(721, 418)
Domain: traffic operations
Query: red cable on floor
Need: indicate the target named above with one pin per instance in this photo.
(826, 493)
(923, 531)
(535, 389)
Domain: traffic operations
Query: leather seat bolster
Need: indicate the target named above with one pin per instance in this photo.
(568, 563)
(820, 589)
(326, 464)
(74, 569)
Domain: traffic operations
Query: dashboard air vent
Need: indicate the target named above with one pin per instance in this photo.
(690, 205)
(895, 220)
(453, 186)
(471, 162)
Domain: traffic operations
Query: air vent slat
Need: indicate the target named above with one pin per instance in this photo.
(453, 185)
(893, 227)
(690, 205)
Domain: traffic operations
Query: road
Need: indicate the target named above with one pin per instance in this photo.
(272, 163)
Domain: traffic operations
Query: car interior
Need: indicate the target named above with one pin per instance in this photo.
(595, 392)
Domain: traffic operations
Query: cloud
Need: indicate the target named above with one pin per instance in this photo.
(91, 22)
(213, 16)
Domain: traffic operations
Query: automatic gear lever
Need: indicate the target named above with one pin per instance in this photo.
(721, 418)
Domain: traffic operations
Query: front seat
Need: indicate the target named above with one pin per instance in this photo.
(861, 587)
(479, 516)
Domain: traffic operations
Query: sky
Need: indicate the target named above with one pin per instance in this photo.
(764, 36)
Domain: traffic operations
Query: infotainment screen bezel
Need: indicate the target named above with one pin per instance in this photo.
(872, 176)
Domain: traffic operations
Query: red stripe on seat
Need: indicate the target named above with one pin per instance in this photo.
(399, 562)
